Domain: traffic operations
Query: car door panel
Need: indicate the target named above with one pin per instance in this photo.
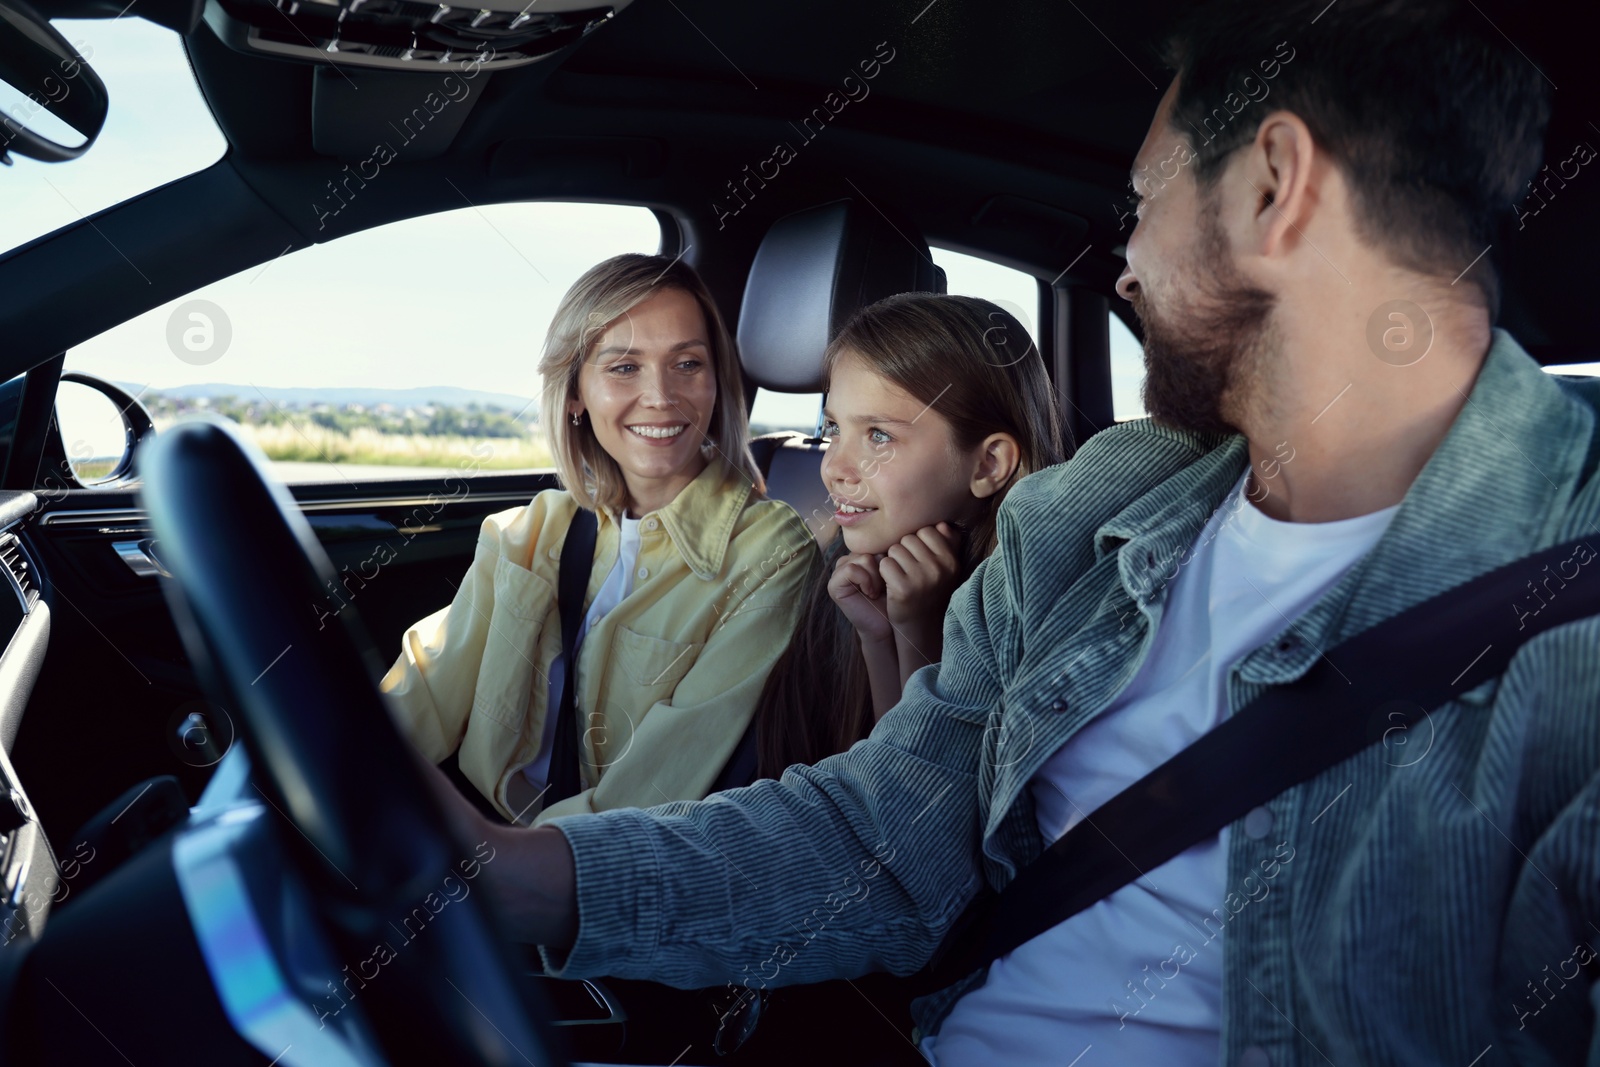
(115, 699)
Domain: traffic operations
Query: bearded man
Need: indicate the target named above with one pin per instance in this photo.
(1337, 433)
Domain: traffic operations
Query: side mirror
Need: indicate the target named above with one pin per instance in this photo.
(100, 425)
(37, 64)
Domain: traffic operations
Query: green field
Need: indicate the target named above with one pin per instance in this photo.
(307, 442)
(310, 443)
(92, 470)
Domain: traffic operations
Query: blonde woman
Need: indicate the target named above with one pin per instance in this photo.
(692, 591)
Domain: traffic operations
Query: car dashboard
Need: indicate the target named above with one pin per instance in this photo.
(29, 878)
(221, 920)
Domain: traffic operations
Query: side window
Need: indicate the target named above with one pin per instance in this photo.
(1582, 370)
(1127, 372)
(1014, 290)
(396, 352)
(965, 275)
(774, 411)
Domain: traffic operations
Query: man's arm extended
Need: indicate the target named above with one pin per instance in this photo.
(865, 860)
(532, 883)
(859, 863)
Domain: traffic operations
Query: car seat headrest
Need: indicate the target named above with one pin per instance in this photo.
(815, 269)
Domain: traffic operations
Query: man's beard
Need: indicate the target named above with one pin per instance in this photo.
(1206, 354)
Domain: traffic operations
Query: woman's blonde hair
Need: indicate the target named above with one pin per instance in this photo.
(605, 293)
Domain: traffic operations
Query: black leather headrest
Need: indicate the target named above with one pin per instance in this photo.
(814, 270)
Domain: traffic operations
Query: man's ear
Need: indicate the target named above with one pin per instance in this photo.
(997, 461)
(1282, 194)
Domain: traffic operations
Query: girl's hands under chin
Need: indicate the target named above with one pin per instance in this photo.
(858, 589)
(919, 573)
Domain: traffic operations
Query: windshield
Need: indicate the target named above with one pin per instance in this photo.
(159, 129)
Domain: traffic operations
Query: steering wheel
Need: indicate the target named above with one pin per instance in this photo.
(372, 842)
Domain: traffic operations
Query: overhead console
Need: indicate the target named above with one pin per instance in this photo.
(406, 35)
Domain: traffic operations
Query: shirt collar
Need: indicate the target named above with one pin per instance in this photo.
(1493, 490)
(1160, 526)
(700, 519)
(1498, 487)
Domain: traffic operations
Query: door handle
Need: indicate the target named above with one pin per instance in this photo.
(140, 557)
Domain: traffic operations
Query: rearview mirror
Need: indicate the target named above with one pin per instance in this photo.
(41, 72)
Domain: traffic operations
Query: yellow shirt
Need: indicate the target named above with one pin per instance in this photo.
(667, 681)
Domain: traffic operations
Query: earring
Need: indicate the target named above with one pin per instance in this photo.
(577, 418)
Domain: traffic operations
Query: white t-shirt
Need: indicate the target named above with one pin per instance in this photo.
(1104, 979)
(618, 584)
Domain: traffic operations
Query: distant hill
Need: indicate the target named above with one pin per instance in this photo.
(451, 395)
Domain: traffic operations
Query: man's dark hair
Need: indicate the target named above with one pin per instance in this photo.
(1435, 118)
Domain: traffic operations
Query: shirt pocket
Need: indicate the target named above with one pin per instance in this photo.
(522, 599)
(654, 664)
(520, 592)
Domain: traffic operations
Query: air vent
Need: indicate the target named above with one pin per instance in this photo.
(17, 566)
(405, 35)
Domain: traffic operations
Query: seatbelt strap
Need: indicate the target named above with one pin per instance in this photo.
(1373, 687)
(740, 770)
(577, 558)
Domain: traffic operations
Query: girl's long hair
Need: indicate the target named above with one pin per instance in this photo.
(974, 364)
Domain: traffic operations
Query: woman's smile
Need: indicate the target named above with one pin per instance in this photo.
(658, 433)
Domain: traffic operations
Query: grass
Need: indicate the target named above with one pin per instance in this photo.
(308, 443)
(92, 470)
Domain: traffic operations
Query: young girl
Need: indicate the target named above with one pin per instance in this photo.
(643, 403)
(936, 405)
